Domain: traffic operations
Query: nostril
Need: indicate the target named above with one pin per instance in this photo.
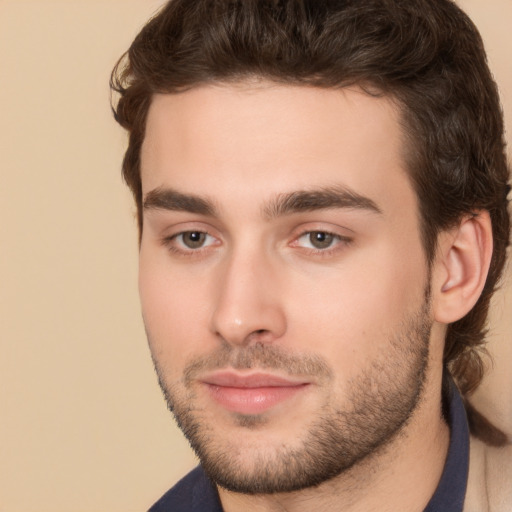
(259, 337)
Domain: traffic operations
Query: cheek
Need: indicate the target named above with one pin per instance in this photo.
(349, 315)
(173, 312)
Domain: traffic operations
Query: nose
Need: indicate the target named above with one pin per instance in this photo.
(249, 306)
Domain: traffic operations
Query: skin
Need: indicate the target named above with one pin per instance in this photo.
(258, 282)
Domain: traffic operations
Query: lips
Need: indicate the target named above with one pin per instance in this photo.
(253, 393)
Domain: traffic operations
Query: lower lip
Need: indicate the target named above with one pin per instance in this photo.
(252, 400)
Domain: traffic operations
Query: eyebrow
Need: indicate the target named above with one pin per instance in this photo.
(283, 204)
(320, 199)
(170, 199)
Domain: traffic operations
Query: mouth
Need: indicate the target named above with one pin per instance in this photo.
(252, 393)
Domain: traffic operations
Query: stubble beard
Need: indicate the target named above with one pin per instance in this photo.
(375, 409)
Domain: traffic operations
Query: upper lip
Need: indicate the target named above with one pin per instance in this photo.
(253, 380)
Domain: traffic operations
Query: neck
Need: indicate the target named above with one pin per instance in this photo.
(401, 476)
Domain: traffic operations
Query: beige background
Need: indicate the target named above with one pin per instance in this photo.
(82, 424)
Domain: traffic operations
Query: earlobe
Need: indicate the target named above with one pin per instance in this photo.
(461, 267)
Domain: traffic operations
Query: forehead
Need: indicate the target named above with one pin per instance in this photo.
(267, 138)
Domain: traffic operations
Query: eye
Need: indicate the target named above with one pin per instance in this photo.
(319, 240)
(192, 240)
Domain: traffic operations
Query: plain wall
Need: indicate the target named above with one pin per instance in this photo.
(83, 426)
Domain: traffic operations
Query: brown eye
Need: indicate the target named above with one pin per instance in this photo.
(193, 239)
(321, 239)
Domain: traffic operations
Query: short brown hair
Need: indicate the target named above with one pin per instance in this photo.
(425, 54)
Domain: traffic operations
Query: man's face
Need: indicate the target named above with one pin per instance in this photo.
(283, 283)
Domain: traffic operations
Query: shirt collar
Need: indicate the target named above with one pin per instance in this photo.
(451, 490)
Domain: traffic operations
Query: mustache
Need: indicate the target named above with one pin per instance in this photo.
(261, 356)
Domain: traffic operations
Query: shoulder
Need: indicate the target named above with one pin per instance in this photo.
(490, 478)
(193, 493)
(498, 465)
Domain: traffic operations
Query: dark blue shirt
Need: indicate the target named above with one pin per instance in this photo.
(196, 493)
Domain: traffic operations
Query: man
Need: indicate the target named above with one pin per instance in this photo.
(322, 201)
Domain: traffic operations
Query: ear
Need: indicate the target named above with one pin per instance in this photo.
(461, 266)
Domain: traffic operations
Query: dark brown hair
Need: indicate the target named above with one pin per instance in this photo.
(425, 54)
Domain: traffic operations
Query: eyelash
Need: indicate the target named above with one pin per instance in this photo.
(339, 243)
(170, 243)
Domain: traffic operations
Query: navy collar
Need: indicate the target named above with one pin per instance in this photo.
(451, 490)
